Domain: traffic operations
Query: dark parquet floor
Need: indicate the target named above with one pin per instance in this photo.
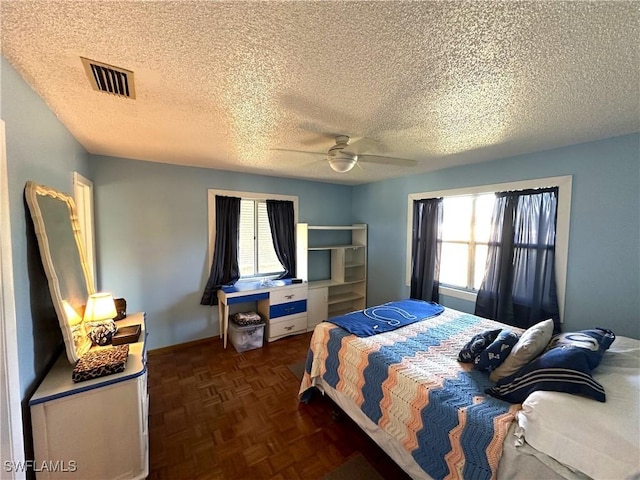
(219, 414)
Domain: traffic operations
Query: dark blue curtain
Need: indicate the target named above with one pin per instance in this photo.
(519, 286)
(425, 249)
(282, 225)
(224, 269)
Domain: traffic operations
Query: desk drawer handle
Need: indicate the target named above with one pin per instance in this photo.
(289, 297)
(289, 328)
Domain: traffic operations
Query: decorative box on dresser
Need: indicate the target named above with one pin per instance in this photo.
(346, 289)
(96, 429)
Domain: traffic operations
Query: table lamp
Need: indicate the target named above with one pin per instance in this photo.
(98, 316)
(100, 307)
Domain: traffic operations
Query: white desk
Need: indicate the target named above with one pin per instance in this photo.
(282, 304)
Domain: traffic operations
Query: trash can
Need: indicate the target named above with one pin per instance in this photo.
(248, 335)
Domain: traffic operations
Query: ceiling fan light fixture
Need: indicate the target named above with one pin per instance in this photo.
(342, 163)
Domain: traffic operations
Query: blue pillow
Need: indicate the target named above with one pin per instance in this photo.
(492, 356)
(597, 341)
(564, 367)
(476, 345)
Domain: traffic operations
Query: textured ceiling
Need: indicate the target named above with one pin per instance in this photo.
(223, 84)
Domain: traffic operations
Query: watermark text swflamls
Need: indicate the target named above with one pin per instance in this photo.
(62, 466)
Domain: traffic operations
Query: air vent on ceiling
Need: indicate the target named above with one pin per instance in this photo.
(110, 79)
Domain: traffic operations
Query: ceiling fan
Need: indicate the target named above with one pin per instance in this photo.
(342, 157)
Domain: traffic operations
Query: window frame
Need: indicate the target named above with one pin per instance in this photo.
(83, 197)
(564, 184)
(255, 196)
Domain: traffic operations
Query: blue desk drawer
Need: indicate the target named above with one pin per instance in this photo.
(249, 297)
(284, 309)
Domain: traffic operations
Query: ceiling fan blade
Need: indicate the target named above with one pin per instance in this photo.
(399, 162)
(297, 151)
(362, 145)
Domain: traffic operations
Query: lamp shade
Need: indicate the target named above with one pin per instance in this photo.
(100, 306)
(342, 162)
(72, 316)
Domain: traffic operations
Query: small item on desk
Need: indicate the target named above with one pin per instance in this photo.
(100, 362)
(121, 308)
(296, 280)
(128, 334)
(246, 318)
(101, 332)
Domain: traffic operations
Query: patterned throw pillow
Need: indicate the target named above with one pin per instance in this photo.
(564, 367)
(493, 356)
(476, 345)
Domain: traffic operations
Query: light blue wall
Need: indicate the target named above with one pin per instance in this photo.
(41, 149)
(151, 230)
(603, 278)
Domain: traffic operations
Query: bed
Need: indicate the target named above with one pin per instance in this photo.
(405, 386)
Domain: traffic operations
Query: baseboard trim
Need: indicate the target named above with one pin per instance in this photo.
(180, 346)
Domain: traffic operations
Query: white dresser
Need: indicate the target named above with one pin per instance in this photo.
(96, 429)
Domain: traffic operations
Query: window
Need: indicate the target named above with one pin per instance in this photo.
(256, 254)
(466, 223)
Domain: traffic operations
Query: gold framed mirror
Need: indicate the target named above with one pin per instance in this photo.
(57, 230)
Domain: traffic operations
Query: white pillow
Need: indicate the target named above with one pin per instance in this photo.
(531, 344)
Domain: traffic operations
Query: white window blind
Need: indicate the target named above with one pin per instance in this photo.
(256, 254)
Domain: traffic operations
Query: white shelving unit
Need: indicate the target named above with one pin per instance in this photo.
(346, 288)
